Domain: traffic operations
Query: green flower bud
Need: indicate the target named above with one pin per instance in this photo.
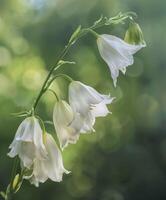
(15, 181)
(134, 35)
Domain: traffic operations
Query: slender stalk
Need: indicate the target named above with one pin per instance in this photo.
(14, 170)
(9, 191)
(62, 54)
(65, 76)
(54, 93)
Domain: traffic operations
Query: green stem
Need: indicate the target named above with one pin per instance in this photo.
(65, 76)
(63, 53)
(55, 94)
(9, 191)
(14, 170)
(93, 33)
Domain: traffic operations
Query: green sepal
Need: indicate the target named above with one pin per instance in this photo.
(21, 114)
(63, 62)
(49, 122)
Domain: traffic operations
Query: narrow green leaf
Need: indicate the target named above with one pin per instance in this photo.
(63, 62)
(3, 194)
(75, 34)
(98, 21)
(49, 122)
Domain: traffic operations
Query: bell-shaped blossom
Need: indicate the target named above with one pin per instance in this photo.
(88, 104)
(67, 128)
(117, 53)
(28, 142)
(49, 168)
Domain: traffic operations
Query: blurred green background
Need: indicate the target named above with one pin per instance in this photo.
(126, 158)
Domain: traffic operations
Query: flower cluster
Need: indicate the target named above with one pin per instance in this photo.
(37, 150)
(85, 104)
(40, 156)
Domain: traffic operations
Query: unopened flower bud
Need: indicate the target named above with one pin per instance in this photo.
(15, 181)
(134, 35)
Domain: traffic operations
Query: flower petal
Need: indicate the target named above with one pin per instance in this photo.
(100, 110)
(25, 130)
(88, 104)
(117, 53)
(82, 96)
(27, 153)
(64, 123)
(54, 163)
(51, 167)
(28, 142)
(38, 140)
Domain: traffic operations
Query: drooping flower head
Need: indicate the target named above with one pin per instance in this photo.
(64, 122)
(117, 53)
(49, 168)
(28, 142)
(88, 104)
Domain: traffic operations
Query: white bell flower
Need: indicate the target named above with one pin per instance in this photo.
(28, 142)
(117, 53)
(49, 168)
(88, 104)
(64, 122)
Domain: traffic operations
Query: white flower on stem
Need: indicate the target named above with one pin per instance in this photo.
(117, 53)
(49, 168)
(63, 118)
(88, 104)
(28, 142)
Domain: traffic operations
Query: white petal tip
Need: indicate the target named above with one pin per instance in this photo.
(69, 141)
(67, 172)
(11, 155)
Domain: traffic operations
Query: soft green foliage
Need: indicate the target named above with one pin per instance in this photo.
(126, 157)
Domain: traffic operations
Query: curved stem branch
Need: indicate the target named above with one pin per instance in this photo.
(65, 76)
(54, 93)
(63, 53)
